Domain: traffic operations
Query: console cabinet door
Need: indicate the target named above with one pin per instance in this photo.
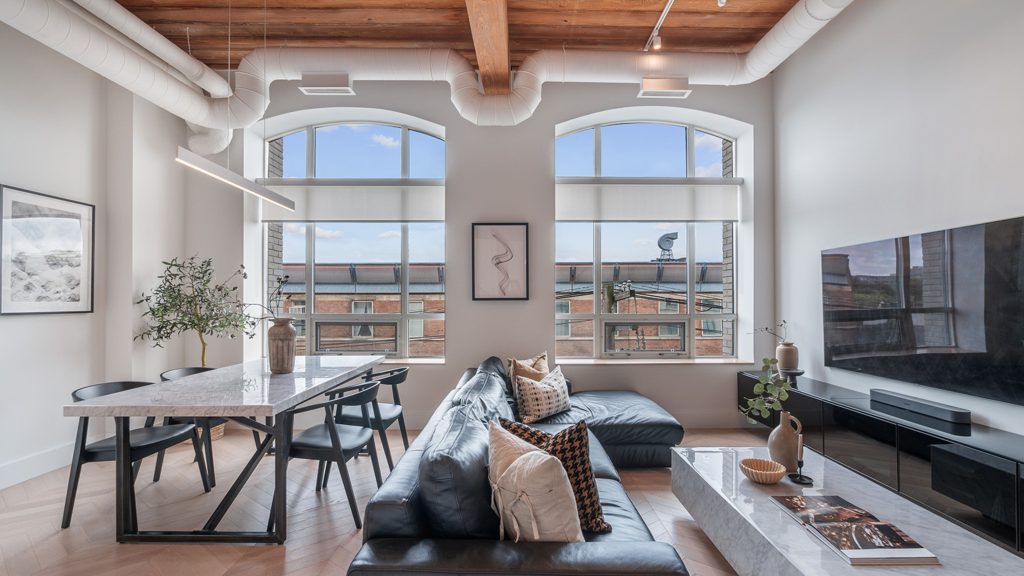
(861, 442)
(972, 487)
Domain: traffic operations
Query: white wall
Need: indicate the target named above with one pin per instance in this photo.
(506, 174)
(106, 147)
(898, 118)
(54, 145)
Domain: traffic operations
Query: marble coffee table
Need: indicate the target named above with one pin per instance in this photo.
(757, 537)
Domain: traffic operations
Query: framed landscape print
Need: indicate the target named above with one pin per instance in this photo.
(501, 262)
(46, 253)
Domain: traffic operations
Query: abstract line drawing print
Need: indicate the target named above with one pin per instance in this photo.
(499, 261)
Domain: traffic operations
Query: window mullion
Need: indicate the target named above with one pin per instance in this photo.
(310, 152)
(405, 151)
(597, 151)
(312, 338)
(691, 280)
(691, 153)
(598, 294)
(403, 324)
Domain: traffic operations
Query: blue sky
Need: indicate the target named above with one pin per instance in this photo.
(372, 150)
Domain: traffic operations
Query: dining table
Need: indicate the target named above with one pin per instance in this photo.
(243, 393)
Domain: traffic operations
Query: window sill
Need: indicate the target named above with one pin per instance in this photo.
(415, 361)
(650, 361)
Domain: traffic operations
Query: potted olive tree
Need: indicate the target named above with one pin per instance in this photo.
(189, 300)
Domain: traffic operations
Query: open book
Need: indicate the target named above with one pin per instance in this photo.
(853, 533)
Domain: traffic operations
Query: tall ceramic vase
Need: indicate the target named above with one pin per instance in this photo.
(281, 337)
(787, 355)
(782, 442)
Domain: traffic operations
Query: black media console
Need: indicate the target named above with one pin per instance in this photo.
(971, 474)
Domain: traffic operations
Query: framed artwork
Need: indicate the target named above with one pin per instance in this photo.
(501, 260)
(47, 252)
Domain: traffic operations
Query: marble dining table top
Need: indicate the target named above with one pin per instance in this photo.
(757, 537)
(247, 389)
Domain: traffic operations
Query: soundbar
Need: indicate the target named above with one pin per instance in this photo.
(926, 407)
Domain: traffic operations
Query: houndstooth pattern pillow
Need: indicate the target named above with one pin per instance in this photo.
(541, 399)
(572, 448)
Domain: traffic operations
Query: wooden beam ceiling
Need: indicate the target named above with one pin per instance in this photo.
(488, 20)
(619, 25)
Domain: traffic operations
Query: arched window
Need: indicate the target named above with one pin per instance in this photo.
(359, 272)
(640, 268)
(356, 150)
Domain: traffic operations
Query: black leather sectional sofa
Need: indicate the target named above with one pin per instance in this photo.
(433, 516)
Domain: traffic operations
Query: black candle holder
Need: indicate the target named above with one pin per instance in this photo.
(799, 477)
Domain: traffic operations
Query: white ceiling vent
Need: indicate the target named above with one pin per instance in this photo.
(326, 85)
(664, 88)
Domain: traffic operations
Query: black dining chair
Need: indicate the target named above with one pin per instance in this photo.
(143, 442)
(203, 423)
(389, 413)
(334, 441)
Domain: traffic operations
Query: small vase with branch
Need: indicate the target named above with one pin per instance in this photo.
(770, 391)
(786, 352)
(188, 299)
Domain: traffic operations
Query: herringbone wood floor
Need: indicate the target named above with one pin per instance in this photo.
(322, 538)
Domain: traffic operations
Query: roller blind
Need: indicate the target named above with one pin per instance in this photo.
(690, 199)
(371, 202)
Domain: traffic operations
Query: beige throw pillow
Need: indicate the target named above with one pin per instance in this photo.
(535, 501)
(534, 368)
(541, 399)
(503, 448)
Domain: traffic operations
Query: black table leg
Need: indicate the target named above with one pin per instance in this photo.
(123, 478)
(282, 424)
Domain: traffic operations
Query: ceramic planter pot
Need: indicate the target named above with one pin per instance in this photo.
(783, 442)
(788, 356)
(281, 346)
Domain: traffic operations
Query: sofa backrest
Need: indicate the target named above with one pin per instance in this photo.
(450, 457)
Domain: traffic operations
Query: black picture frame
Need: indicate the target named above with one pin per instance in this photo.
(495, 280)
(87, 213)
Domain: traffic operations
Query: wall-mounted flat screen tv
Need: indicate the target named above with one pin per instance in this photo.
(942, 309)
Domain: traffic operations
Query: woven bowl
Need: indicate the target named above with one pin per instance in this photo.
(762, 471)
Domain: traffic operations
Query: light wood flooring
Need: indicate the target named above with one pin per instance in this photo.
(322, 538)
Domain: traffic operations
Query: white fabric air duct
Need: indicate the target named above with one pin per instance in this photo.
(52, 24)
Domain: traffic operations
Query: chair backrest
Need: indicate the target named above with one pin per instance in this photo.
(97, 390)
(182, 372)
(363, 395)
(390, 378)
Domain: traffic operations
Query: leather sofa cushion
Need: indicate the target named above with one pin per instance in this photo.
(621, 417)
(494, 365)
(640, 455)
(600, 463)
(626, 522)
(453, 477)
(488, 389)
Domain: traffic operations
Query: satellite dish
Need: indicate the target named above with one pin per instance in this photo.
(667, 240)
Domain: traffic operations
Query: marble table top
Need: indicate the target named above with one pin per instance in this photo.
(757, 537)
(247, 389)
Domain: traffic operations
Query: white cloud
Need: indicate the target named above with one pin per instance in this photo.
(294, 228)
(708, 170)
(389, 234)
(703, 140)
(643, 242)
(330, 128)
(328, 233)
(357, 127)
(666, 226)
(386, 141)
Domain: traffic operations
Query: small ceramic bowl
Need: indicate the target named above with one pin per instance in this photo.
(762, 471)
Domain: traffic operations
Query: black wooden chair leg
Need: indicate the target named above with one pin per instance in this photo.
(384, 444)
(136, 466)
(197, 447)
(374, 460)
(69, 500)
(319, 475)
(350, 493)
(327, 472)
(405, 434)
(159, 466)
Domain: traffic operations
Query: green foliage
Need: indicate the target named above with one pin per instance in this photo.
(770, 391)
(189, 300)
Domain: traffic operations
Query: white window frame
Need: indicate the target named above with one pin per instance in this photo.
(416, 321)
(364, 313)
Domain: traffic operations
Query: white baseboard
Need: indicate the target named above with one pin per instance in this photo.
(28, 467)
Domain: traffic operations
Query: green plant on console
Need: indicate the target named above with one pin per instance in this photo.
(189, 300)
(771, 390)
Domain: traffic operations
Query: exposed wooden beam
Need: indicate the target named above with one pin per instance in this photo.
(488, 19)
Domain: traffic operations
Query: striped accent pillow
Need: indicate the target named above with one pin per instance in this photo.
(538, 400)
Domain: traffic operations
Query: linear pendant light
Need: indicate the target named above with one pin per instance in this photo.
(214, 170)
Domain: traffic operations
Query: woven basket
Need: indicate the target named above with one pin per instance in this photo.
(216, 433)
(762, 471)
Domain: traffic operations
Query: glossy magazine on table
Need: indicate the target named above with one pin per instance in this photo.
(853, 533)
